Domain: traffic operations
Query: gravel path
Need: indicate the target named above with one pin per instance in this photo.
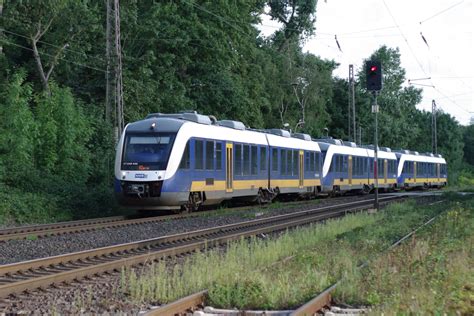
(27, 249)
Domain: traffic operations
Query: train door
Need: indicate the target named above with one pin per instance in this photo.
(414, 171)
(301, 169)
(385, 171)
(229, 172)
(438, 171)
(349, 170)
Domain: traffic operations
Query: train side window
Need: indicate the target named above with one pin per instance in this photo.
(288, 162)
(209, 155)
(198, 154)
(263, 158)
(317, 159)
(246, 154)
(218, 156)
(274, 159)
(238, 159)
(186, 159)
(295, 162)
(283, 161)
(307, 160)
(254, 161)
(312, 161)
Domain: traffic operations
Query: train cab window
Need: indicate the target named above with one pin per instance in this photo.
(274, 159)
(209, 155)
(246, 159)
(282, 161)
(238, 159)
(254, 161)
(198, 154)
(263, 158)
(186, 159)
(147, 151)
(218, 156)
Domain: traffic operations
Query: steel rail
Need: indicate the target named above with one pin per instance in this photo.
(18, 277)
(324, 298)
(44, 230)
(81, 226)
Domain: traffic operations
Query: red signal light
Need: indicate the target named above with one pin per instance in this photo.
(373, 68)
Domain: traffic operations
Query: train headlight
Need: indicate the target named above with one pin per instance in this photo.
(123, 174)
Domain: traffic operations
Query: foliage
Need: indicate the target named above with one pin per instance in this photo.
(468, 137)
(180, 55)
(17, 129)
(430, 274)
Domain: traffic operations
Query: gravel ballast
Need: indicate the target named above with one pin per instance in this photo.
(28, 249)
(101, 295)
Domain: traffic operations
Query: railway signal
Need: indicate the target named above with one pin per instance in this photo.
(374, 75)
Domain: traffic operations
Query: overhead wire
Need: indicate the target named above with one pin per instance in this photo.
(442, 11)
(52, 45)
(61, 58)
(404, 37)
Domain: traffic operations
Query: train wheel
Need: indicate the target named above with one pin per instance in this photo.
(194, 202)
(265, 196)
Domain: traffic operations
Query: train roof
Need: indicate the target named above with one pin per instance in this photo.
(229, 130)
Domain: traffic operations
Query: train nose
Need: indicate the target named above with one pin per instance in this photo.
(148, 189)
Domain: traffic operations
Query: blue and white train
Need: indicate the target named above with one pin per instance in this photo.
(187, 160)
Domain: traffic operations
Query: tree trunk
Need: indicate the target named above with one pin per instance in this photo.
(1, 33)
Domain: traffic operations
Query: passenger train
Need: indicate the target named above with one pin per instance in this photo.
(187, 160)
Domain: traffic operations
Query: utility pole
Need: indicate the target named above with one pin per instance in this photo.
(351, 75)
(114, 84)
(360, 135)
(351, 106)
(375, 109)
(118, 72)
(434, 137)
(1, 33)
(353, 102)
(108, 76)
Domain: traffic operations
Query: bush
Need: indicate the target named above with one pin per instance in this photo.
(21, 207)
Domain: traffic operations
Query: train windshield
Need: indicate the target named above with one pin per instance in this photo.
(149, 151)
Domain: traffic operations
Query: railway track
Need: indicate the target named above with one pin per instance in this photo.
(45, 230)
(16, 278)
(316, 305)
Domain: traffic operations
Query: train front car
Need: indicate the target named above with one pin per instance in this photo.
(188, 160)
(142, 162)
(421, 170)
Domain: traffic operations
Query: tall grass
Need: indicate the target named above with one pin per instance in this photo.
(431, 274)
(277, 273)
(243, 260)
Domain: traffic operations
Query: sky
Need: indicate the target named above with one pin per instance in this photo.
(363, 26)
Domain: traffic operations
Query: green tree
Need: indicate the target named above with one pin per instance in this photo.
(468, 137)
(17, 130)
